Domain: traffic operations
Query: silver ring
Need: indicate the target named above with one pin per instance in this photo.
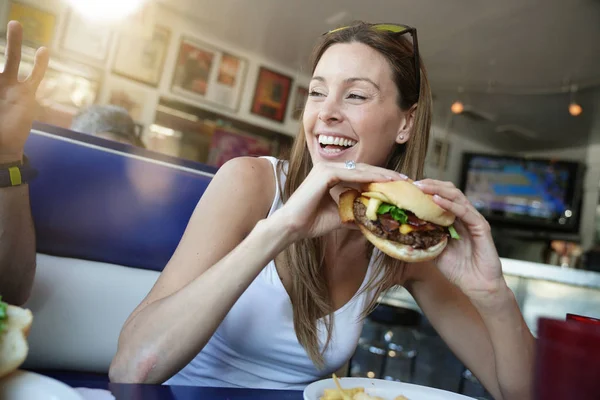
(350, 164)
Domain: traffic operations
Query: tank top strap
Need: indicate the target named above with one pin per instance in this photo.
(269, 273)
(279, 182)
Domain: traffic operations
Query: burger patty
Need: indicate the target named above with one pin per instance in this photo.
(419, 239)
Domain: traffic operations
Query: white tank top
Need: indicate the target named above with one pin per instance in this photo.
(256, 346)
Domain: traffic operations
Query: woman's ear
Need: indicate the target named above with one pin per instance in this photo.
(406, 126)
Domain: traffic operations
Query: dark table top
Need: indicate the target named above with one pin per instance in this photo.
(162, 392)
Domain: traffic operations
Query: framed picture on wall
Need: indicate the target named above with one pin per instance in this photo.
(299, 102)
(271, 94)
(207, 74)
(438, 157)
(195, 63)
(38, 25)
(142, 59)
(88, 39)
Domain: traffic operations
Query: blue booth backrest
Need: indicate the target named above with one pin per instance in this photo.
(100, 200)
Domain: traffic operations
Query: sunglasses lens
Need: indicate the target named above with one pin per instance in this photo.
(390, 28)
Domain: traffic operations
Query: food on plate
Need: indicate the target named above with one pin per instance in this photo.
(14, 328)
(399, 219)
(357, 393)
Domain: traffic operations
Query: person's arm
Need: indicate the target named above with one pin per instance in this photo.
(228, 241)
(17, 111)
(489, 336)
(465, 296)
(17, 245)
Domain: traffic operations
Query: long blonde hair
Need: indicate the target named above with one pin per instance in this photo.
(310, 292)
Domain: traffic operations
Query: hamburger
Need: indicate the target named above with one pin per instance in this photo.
(399, 219)
(15, 323)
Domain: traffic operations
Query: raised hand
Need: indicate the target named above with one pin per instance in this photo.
(472, 262)
(17, 99)
(311, 211)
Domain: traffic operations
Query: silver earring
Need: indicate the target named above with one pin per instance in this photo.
(401, 137)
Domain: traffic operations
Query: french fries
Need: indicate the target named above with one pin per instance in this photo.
(356, 393)
(346, 207)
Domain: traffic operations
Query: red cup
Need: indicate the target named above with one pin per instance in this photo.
(582, 318)
(567, 361)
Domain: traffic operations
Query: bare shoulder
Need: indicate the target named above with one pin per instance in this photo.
(244, 183)
(239, 195)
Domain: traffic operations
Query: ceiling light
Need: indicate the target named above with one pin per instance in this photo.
(457, 107)
(106, 10)
(575, 109)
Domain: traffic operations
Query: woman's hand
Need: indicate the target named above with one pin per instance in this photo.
(471, 262)
(17, 99)
(311, 211)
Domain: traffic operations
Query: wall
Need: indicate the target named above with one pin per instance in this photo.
(179, 26)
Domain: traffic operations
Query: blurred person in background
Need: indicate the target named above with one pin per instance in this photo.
(17, 111)
(109, 122)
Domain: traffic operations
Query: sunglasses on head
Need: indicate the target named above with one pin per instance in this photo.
(400, 30)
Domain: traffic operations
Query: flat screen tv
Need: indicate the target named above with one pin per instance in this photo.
(534, 194)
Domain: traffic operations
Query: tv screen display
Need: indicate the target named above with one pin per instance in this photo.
(538, 193)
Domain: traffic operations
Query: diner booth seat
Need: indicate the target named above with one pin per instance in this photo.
(108, 217)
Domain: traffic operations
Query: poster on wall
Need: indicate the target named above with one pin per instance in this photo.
(85, 38)
(299, 102)
(226, 145)
(38, 25)
(271, 95)
(207, 74)
(142, 59)
(438, 157)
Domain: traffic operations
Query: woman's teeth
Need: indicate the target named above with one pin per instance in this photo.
(336, 141)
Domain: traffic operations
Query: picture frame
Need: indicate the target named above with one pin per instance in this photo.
(300, 98)
(438, 157)
(207, 74)
(271, 94)
(88, 40)
(140, 58)
(39, 25)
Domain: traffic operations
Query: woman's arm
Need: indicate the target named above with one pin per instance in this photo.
(226, 244)
(219, 255)
(466, 295)
(488, 335)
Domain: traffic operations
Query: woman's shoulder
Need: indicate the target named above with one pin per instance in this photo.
(247, 179)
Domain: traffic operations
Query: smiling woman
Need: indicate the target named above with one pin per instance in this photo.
(276, 299)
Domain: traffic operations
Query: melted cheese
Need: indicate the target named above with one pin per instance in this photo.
(405, 229)
(372, 208)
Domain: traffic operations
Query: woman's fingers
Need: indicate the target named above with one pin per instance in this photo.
(362, 173)
(452, 199)
(14, 38)
(40, 65)
(446, 190)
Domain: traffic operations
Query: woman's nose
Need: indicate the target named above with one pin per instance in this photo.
(330, 111)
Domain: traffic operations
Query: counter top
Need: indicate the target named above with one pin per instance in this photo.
(552, 273)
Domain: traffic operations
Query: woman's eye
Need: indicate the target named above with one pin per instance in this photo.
(356, 97)
(314, 93)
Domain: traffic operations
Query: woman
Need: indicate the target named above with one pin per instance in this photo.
(266, 287)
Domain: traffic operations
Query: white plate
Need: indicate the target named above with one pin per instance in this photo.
(389, 390)
(25, 385)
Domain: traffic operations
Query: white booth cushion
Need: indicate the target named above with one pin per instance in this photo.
(79, 308)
